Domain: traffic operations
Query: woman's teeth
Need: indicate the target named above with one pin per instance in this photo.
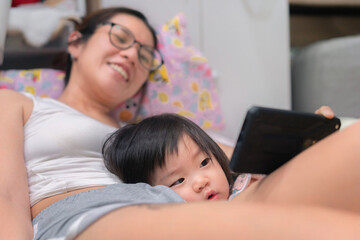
(119, 70)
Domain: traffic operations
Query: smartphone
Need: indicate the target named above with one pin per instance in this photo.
(270, 137)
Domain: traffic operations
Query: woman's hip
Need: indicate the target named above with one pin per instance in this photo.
(68, 217)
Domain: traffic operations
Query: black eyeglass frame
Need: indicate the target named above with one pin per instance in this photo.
(125, 29)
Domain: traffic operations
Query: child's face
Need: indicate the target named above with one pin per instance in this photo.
(192, 174)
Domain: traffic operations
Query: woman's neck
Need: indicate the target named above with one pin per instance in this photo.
(78, 99)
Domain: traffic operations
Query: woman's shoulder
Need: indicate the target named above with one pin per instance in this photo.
(8, 95)
(13, 98)
(15, 101)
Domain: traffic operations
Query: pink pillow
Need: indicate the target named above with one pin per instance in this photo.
(183, 85)
(40, 82)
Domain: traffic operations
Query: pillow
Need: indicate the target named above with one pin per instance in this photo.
(183, 85)
(40, 82)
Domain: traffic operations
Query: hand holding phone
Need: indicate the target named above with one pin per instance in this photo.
(270, 137)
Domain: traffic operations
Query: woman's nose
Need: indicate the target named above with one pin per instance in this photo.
(131, 53)
(200, 183)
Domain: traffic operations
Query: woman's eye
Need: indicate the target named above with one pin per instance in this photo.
(205, 162)
(145, 59)
(180, 180)
(146, 56)
(120, 39)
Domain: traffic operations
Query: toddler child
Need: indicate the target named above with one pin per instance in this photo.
(171, 150)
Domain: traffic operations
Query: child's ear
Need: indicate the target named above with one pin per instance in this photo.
(74, 45)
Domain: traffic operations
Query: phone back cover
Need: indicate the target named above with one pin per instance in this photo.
(271, 137)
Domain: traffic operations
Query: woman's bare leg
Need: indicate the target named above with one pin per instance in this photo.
(224, 220)
(326, 174)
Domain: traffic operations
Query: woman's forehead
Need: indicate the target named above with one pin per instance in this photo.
(141, 32)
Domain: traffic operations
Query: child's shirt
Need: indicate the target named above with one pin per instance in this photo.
(243, 181)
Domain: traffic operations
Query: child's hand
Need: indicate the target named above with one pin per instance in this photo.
(326, 111)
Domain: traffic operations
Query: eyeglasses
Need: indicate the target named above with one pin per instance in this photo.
(122, 38)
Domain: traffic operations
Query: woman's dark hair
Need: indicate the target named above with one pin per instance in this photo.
(90, 22)
(134, 151)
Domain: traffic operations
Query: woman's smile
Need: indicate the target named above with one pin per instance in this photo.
(122, 70)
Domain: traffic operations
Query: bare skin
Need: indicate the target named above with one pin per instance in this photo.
(222, 220)
(37, 208)
(14, 201)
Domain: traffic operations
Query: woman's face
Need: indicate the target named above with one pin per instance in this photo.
(107, 70)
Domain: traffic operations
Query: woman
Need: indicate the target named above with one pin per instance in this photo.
(50, 154)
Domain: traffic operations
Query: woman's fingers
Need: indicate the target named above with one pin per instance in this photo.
(326, 111)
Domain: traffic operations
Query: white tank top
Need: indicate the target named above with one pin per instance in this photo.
(63, 150)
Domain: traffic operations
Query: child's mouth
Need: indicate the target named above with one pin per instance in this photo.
(213, 197)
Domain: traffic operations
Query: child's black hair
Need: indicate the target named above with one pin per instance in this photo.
(134, 151)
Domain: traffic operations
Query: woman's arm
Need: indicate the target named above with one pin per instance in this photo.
(15, 218)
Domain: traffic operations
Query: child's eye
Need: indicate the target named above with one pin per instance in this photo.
(180, 180)
(205, 162)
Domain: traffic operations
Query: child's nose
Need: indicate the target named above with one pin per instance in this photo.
(200, 183)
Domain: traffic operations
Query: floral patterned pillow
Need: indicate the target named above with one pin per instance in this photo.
(183, 85)
(40, 82)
